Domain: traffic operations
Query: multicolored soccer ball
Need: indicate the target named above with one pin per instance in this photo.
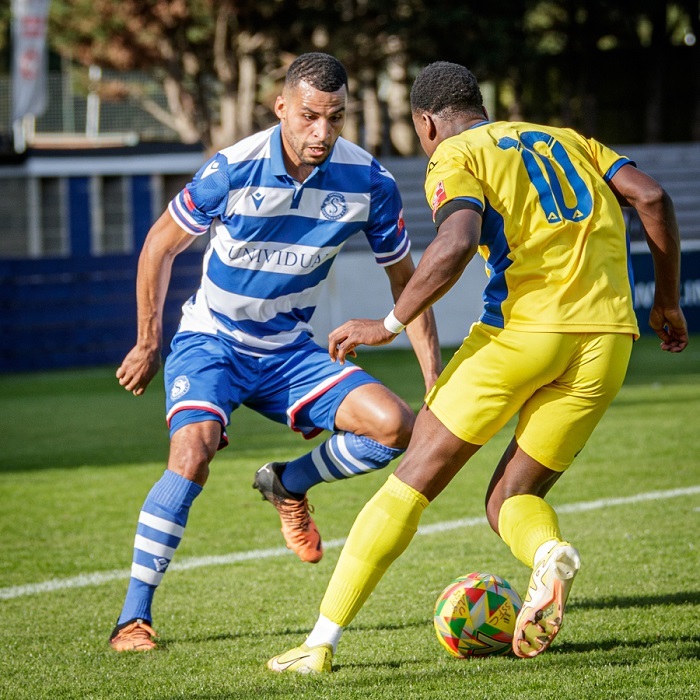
(475, 616)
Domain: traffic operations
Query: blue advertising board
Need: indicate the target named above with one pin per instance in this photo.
(642, 265)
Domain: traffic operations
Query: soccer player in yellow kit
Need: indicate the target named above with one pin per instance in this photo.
(542, 206)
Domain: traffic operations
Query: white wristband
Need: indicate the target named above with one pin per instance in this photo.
(392, 324)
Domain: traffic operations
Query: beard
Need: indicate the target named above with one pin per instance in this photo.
(302, 151)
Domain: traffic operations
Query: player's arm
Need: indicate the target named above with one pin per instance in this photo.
(655, 208)
(440, 267)
(423, 331)
(163, 243)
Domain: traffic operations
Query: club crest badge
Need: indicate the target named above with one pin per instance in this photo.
(334, 206)
(180, 387)
(438, 197)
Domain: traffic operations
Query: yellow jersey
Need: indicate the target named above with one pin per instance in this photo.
(553, 235)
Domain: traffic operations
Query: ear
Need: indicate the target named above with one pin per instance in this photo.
(429, 126)
(280, 107)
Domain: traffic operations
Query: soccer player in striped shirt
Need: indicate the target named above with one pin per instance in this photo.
(278, 206)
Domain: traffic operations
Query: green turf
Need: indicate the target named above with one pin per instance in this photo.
(79, 455)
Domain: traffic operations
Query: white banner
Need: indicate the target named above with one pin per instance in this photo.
(29, 57)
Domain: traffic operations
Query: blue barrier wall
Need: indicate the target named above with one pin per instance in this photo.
(72, 228)
(82, 311)
(69, 299)
(78, 311)
(690, 288)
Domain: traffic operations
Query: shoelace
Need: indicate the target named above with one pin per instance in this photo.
(137, 630)
(296, 513)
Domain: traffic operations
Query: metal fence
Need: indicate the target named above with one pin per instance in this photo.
(74, 107)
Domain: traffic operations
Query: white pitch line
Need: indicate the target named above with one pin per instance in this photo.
(100, 577)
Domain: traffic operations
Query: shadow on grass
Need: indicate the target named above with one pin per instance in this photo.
(612, 644)
(674, 599)
(74, 418)
(97, 437)
(677, 598)
(299, 633)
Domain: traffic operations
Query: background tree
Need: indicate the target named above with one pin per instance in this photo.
(602, 66)
(606, 67)
(202, 51)
(4, 36)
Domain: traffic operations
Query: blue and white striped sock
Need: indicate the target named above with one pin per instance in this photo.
(342, 456)
(160, 528)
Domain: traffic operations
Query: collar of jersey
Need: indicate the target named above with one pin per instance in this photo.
(277, 161)
(478, 124)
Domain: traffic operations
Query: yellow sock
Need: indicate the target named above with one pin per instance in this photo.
(526, 522)
(381, 532)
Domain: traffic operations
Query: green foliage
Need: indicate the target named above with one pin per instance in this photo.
(590, 65)
(79, 455)
(4, 26)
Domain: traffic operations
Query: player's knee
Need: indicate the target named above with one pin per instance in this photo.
(191, 450)
(378, 414)
(191, 464)
(393, 428)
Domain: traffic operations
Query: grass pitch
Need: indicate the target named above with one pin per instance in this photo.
(79, 455)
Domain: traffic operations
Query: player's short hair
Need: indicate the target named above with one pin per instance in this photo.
(446, 89)
(320, 70)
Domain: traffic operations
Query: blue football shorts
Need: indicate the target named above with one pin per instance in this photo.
(207, 378)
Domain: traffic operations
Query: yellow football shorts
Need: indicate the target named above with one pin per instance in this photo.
(561, 384)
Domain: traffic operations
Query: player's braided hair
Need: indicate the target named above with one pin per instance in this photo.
(320, 70)
(446, 89)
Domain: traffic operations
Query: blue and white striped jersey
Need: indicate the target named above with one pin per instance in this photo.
(273, 240)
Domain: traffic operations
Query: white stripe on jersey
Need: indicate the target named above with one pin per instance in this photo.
(382, 257)
(264, 202)
(253, 147)
(347, 153)
(247, 187)
(269, 256)
(196, 318)
(181, 215)
(239, 307)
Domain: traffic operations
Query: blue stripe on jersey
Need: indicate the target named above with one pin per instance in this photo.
(278, 324)
(352, 178)
(292, 229)
(630, 270)
(258, 210)
(496, 291)
(261, 284)
(616, 166)
(386, 230)
(390, 259)
(186, 218)
(473, 200)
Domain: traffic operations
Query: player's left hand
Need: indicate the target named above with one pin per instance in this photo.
(359, 331)
(671, 327)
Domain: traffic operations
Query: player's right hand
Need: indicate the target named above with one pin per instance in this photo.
(344, 339)
(138, 368)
